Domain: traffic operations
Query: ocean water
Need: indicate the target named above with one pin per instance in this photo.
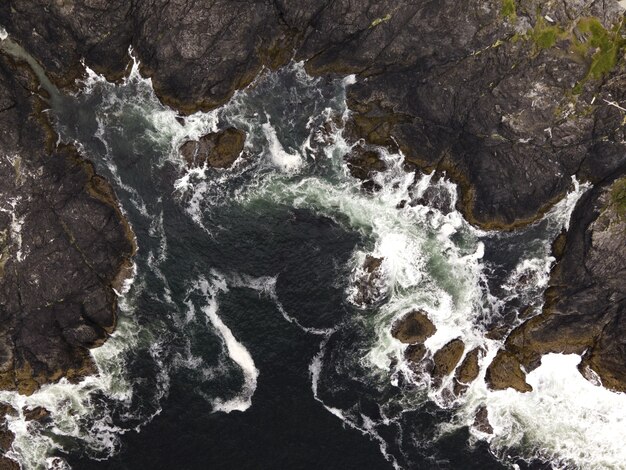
(242, 342)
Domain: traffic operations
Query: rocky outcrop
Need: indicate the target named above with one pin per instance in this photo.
(63, 244)
(217, 149)
(369, 283)
(447, 358)
(505, 372)
(508, 102)
(414, 327)
(468, 371)
(586, 301)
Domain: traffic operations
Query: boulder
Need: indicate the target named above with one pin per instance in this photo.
(370, 284)
(414, 327)
(505, 372)
(217, 149)
(468, 371)
(447, 358)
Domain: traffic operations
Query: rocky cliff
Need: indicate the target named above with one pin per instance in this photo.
(511, 98)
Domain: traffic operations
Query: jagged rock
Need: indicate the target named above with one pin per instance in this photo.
(509, 120)
(584, 310)
(218, 149)
(64, 240)
(446, 359)
(505, 372)
(363, 163)
(437, 198)
(481, 421)
(414, 353)
(39, 413)
(369, 285)
(414, 327)
(467, 372)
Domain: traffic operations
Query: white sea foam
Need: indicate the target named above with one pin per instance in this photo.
(565, 419)
(237, 351)
(283, 160)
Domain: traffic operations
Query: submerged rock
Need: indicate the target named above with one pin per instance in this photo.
(505, 372)
(363, 163)
(414, 327)
(370, 283)
(481, 420)
(218, 149)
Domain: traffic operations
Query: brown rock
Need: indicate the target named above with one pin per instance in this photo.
(447, 358)
(469, 369)
(505, 372)
(481, 421)
(39, 413)
(217, 149)
(415, 353)
(467, 372)
(414, 327)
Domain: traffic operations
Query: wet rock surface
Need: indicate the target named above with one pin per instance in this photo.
(505, 372)
(447, 358)
(414, 327)
(481, 421)
(586, 301)
(63, 241)
(370, 282)
(218, 150)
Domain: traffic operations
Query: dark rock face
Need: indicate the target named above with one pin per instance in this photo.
(586, 303)
(370, 283)
(218, 149)
(63, 242)
(458, 87)
(363, 163)
(414, 327)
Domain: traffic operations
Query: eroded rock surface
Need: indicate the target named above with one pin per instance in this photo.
(63, 242)
(218, 149)
(414, 327)
(585, 309)
(508, 104)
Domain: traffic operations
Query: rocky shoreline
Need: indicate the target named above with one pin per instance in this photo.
(509, 99)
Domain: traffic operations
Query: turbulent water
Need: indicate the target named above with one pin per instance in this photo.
(242, 342)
